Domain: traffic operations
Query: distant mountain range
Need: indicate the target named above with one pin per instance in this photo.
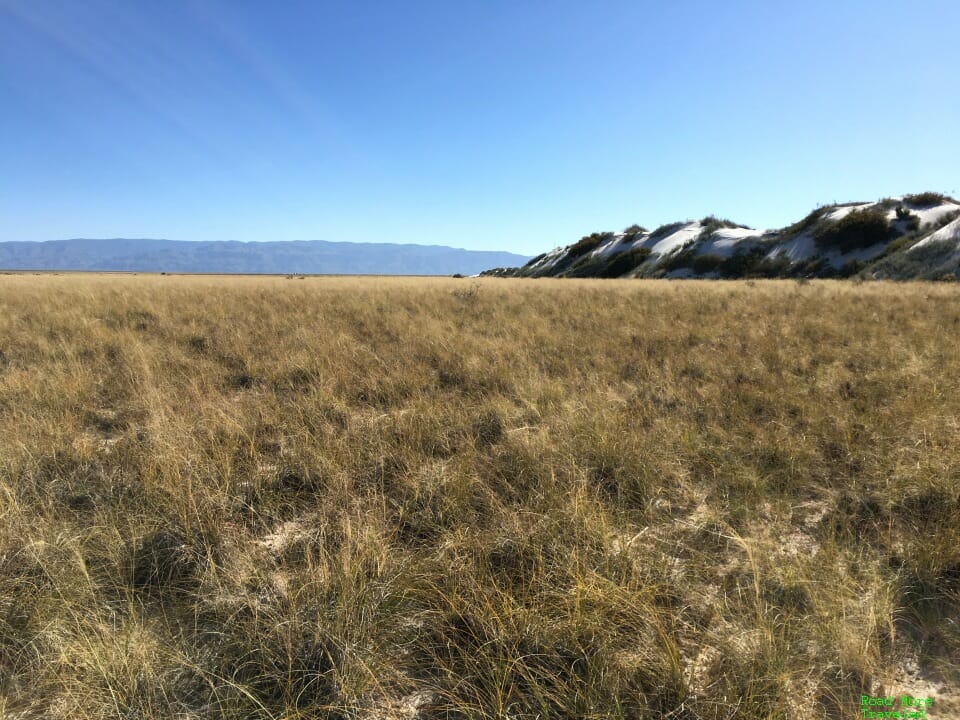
(901, 238)
(300, 257)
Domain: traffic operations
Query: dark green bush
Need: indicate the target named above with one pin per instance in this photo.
(622, 263)
(750, 263)
(588, 243)
(533, 261)
(711, 223)
(582, 267)
(706, 263)
(858, 229)
(664, 230)
(851, 268)
(901, 243)
(909, 221)
(944, 220)
(926, 199)
(634, 230)
(677, 260)
(166, 562)
(925, 263)
(771, 267)
(745, 263)
(817, 267)
(808, 223)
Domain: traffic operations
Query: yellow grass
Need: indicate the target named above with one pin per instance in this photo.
(378, 498)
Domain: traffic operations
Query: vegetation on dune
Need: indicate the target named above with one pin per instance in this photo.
(934, 261)
(534, 260)
(665, 230)
(861, 228)
(624, 262)
(909, 221)
(927, 199)
(711, 223)
(807, 224)
(386, 498)
(748, 262)
(587, 244)
(857, 229)
(611, 266)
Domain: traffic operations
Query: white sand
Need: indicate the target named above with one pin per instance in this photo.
(724, 242)
(676, 240)
(950, 231)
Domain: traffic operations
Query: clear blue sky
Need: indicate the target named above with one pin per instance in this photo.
(515, 125)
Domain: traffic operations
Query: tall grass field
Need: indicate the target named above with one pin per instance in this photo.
(261, 497)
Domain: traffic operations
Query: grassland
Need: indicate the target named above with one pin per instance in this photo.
(386, 498)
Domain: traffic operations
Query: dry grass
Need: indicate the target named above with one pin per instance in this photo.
(377, 498)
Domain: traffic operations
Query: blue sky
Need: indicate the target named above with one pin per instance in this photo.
(516, 125)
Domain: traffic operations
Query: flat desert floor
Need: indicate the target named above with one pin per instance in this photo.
(263, 497)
